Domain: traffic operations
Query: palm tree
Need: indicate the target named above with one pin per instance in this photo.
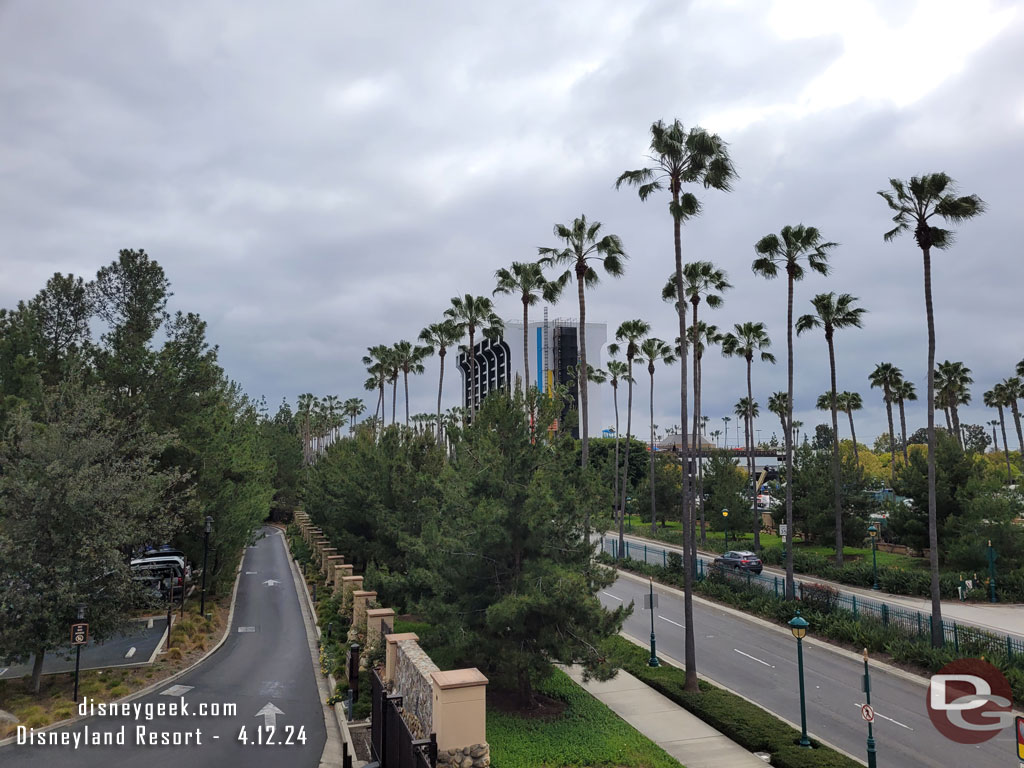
(652, 350)
(679, 156)
(631, 333)
(952, 381)
(375, 361)
(790, 250)
(778, 404)
(527, 281)
(997, 397)
(850, 402)
(716, 434)
(304, 417)
(747, 409)
(701, 336)
(833, 313)
(701, 279)
(887, 377)
(352, 408)
(617, 371)
(470, 313)
(1014, 388)
(582, 244)
(903, 392)
(915, 204)
(440, 336)
(995, 440)
(747, 340)
(393, 367)
(725, 425)
(409, 359)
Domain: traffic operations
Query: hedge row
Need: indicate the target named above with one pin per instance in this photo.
(747, 724)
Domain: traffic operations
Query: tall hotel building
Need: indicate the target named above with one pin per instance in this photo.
(553, 350)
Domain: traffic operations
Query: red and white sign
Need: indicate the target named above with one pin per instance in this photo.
(868, 713)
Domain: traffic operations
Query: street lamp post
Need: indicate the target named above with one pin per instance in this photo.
(206, 547)
(653, 661)
(991, 572)
(867, 700)
(725, 516)
(873, 533)
(798, 626)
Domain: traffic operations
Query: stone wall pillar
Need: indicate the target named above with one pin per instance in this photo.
(340, 572)
(391, 655)
(374, 617)
(360, 602)
(318, 549)
(332, 562)
(460, 718)
(325, 555)
(350, 584)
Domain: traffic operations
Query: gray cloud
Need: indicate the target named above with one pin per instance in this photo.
(320, 180)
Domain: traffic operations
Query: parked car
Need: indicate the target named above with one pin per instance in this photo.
(163, 555)
(741, 561)
(163, 575)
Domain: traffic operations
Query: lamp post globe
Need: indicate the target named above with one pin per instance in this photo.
(798, 626)
(725, 517)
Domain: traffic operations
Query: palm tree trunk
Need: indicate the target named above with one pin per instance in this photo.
(949, 421)
(526, 346)
(582, 378)
(394, 398)
(689, 544)
(956, 426)
(441, 352)
(625, 468)
(1006, 447)
(938, 635)
(853, 436)
(892, 436)
(37, 670)
(790, 585)
(836, 468)
(903, 431)
(650, 370)
(700, 458)
(696, 414)
(615, 503)
(1016, 421)
(750, 458)
(995, 440)
(405, 381)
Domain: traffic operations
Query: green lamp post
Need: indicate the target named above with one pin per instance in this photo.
(652, 603)
(798, 626)
(725, 516)
(872, 760)
(991, 572)
(873, 533)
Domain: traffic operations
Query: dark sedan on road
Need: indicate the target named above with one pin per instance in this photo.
(742, 561)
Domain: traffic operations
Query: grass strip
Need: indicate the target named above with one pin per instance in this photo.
(747, 724)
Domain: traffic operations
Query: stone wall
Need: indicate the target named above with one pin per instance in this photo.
(414, 683)
(475, 756)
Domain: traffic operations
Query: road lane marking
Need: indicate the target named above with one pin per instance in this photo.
(671, 622)
(897, 722)
(3, 670)
(177, 690)
(131, 652)
(250, 573)
(247, 629)
(271, 582)
(613, 597)
(741, 653)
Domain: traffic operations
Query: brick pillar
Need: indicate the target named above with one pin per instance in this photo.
(325, 555)
(360, 600)
(332, 562)
(340, 572)
(391, 656)
(374, 617)
(350, 584)
(460, 717)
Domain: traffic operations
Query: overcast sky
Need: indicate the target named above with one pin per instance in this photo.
(318, 177)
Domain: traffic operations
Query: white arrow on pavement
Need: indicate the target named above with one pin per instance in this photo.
(271, 582)
(269, 714)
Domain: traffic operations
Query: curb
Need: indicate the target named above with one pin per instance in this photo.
(680, 665)
(171, 678)
(339, 709)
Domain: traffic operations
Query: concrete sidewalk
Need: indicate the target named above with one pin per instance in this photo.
(686, 737)
(998, 618)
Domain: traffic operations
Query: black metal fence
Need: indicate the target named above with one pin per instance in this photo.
(393, 744)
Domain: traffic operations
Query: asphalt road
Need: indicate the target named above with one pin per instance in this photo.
(265, 661)
(760, 663)
(115, 652)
